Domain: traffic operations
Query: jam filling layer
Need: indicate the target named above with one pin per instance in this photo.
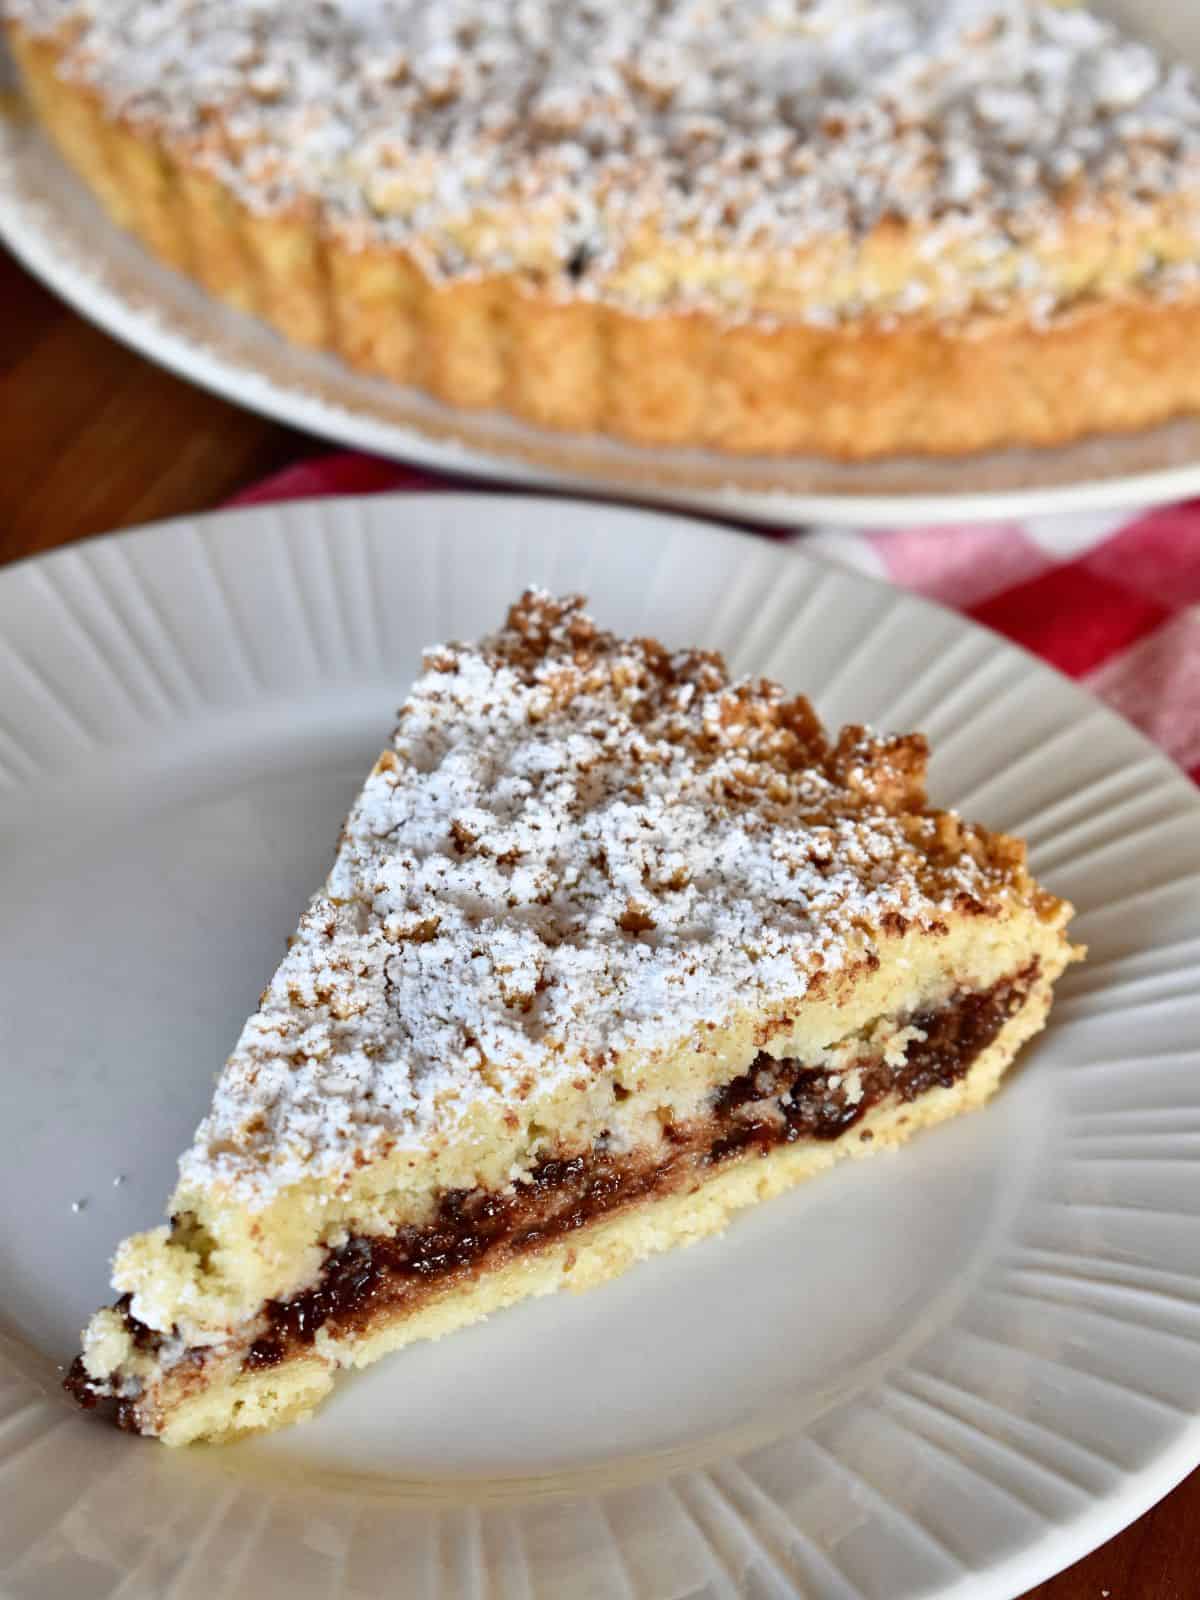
(773, 1103)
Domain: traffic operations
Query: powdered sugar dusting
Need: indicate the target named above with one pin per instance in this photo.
(548, 135)
(577, 848)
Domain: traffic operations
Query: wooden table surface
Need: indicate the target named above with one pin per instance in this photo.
(95, 438)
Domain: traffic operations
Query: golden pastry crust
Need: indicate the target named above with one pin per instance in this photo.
(687, 341)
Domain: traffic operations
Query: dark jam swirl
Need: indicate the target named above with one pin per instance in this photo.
(560, 1196)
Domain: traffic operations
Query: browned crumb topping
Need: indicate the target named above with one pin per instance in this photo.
(578, 847)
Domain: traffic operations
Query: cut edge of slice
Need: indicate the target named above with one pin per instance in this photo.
(219, 1395)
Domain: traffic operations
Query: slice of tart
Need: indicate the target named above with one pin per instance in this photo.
(611, 947)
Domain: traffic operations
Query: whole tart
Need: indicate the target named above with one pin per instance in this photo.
(843, 227)
(611, 947)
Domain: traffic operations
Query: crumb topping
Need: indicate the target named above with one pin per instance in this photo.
(577, 847)
(558, 135)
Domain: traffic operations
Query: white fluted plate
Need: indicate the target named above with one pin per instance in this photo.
(50, 222)
(945, 1372)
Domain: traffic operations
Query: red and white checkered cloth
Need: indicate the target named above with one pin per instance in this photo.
(1113, 601)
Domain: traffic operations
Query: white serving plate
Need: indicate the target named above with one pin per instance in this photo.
(946, 1372)
(50, 222)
